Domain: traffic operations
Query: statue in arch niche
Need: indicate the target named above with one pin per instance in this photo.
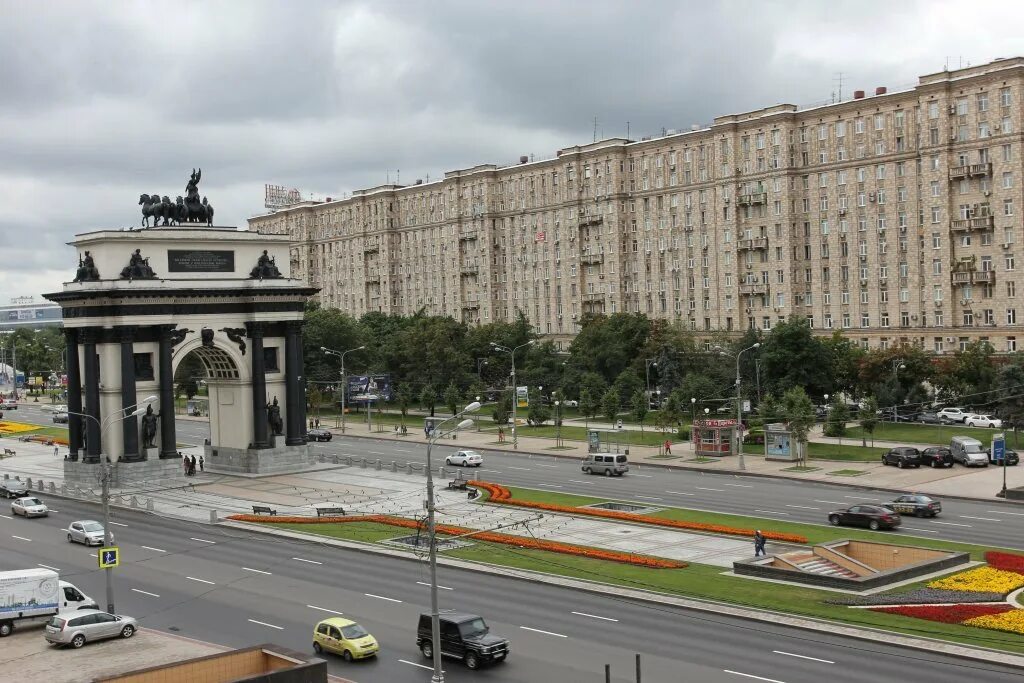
(274, 418)
(266, 268)
(149, 422)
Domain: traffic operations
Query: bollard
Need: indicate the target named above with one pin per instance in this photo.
(442, 473)
(337, 460)
(213, 517)
(28, 483)
(64, 490)
(362, 463)
(149, 504)
(379, 464)
(408, 468)
(322, 457)
(53, 487)
(394, 466)
(134, 502)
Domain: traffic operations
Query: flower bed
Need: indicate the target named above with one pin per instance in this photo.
(501, 495)
(1011, 620)
(921, 596)
(489, 536)
(947, 614)
(1005, 561)
(982, 579)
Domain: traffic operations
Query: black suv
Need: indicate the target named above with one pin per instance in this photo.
(903, 456)
(464, 636)
(937, 456)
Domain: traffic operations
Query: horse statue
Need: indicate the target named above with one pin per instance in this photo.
(209, 212)
(150, 206)
(167, 211)
(180, 212)
(196, 211)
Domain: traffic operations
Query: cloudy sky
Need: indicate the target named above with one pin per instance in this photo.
(103, 101)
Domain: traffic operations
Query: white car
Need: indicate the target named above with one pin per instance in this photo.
(87, 532)
(983, 421)
(953, 414)
(571, 404)
(465, 459)
(29, 507)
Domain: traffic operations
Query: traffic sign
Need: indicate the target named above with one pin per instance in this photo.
(998, 448)
(109, 557)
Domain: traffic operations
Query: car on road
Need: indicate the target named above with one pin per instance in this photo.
(917, 505)
(8, 404)
(60, 418)
(12, 488)
(937, 456)
(87, 625)
(463, 636)
(873, 517)
(933, 419)
(952, 414)
(464, 459)
(317, 434)
(978, 420)
(29, 507)
(968, 451)
(87, 532)
(1011, 457)
(597, 463)
(344, 637)
(903, 456)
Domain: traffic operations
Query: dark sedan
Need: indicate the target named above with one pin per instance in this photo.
(873, 517)
(1011, 457)
(917, 505)
(11, 488)
(904, 456)
(937, 456)
(932, 419)
(318, 434)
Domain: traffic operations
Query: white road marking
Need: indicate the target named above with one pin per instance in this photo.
(554, 467)
(380, 597)
(577, 481)
(156, 550)
(927, 531)
(830, 502)
(492, 471)
(263, 623)
(742, 486)
(6, 516)
(52, 510)
(950, 523)
(759, 678)
(117, 524)
(524, 469)
(423, 583)
(983, 519)
(680, 493)
(422, 666)
(594, 616)
(92, 554)
(803, 507)
(773, 512)
(192, 578)
(299, 559)
(701, 488)
(645, 476)
(21, 538)
(648, 497)
(201, 540)
(324, 609)
(861, 498)
(1004, 512)
(547, 633)
(46, 566)
(550, 486)
(258, 571)
(153, 595)
(813, 659)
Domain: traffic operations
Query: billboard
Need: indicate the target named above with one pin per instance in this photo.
(522, 397)
(365, 388)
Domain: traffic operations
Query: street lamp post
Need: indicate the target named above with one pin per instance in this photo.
(558, 425)
(480, 362)
(512, 354)
(435, 613)
(647, 373)
(897, 365)
(341, 355)
(739, 402)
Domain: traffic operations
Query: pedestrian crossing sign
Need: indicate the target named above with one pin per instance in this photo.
(109, 557)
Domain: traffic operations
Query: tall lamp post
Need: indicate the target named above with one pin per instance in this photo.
(341, 355)
(739, 402)
(114, 418)
(647, 373)
(512, 354)
(897, 365)
(435, 613)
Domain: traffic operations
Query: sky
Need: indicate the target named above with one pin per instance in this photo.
(103, 101)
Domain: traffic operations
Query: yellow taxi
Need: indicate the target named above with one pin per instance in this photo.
(344, 637)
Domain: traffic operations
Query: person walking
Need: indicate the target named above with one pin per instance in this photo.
(184, 462)
(668, 447)
(202, 464)
(56, 451)
(759, 541)
(318, 423)
(310, 423)
(192, 467)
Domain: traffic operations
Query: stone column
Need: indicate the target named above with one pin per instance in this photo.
(295, 402)
(168, 442)
(74, 393)
(93, 445)
(259, 387)
(130, 426)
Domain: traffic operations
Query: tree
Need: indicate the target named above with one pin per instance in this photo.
(538, 413)
(1010, 389)
(700, 387)
(588, 405)
(799, 411)
(428, 398)
(640, 407)
(628, 383)
(451, 398)
(838, 416)
(791, 356)
(868, 417)
(595, 386)
(610, 404)
(502, 411)
(404, 398)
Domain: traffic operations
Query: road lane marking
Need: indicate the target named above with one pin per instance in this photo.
(951, 524)
(201, 540)
(192, 578)
(258, 571)
(117, 524)
(861, 498)
(680, 493)
(648, 497)
(524, 469)
(156, 550)
(92, 554)
(422, 666)
(324, 609)
(547, 633)
(1004, 512)
(773, 512)
(577, 481)
(21, 538)
(380, 597)
(803, 507)
(701, 488)
(550, 486)
(423, 583)
(6, 516)
(46, 566)
(927, 531)
(554, 467)
(830, 502)
(645, 476)
(742, 486)
(813, 659)
(299, 559)
(759, 678)
(594, 616)
(492, 471)
(983, 519)
(263, 623)
(154, 595)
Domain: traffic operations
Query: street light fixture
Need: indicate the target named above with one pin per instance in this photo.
(739, 402)
(341, 354)
(897, 365)
(647, 373)
(512, 354)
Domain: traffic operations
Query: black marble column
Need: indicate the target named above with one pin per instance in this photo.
(295, 403)
(259, 387)
(168, 442)
(130, 425)
(93, 445)
(74, 393)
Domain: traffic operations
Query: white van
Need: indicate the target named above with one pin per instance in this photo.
(36, 595)
(606, 464)
(968, 452)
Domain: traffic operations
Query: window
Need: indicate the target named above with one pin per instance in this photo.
(879, 121)
(1006, 125)
(933, 110)
(1011, 316)
(936, 240)
(983, 101)
(1011, 289)
(858, 125)
(935, 188)
(1007, 152)
(937, 267)
(1011, 344)
(1009, 262)
(961, 106)
(937, 293)
(1007, 207)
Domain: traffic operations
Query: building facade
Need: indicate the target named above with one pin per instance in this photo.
(894, 218)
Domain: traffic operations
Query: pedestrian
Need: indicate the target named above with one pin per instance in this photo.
(668, 447)
(501, 435)
(759, 541)
(202, 464)
(192, 466)
(310, 423)
(184, 460)
(318, 423)
(56, 451)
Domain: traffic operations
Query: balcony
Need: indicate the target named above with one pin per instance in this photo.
(467, 235)
(470, 305)
(974, 277)
(371, 249)
(755, 198)
(466, 269)
(753, 288)
(591, 258)
(970, 171)
(752, 243)
(986, 222)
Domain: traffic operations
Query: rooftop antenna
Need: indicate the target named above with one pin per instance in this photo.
(398, 176)
(627, 130)
(387, 177)
(838, 78)
(595, 129)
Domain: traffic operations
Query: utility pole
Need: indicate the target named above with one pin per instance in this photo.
(515, 397)
(108, 538)
(341, 354)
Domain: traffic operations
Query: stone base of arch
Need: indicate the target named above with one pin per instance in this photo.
(142, 476)
(277, 459)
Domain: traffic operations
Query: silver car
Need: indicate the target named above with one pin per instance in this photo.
(88, 532)
(29, 507)
(85, 625)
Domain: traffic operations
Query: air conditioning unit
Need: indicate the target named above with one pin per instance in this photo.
(950, 340)
(749, 309)
(1006, 245)
(988, 193)
(842, 212)
(952, 109)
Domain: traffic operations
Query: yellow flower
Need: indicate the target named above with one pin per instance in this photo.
(982, 580)
(1012, 621)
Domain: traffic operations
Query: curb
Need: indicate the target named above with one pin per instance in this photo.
(869, 634)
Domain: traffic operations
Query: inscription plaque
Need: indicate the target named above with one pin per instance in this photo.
(200, 261)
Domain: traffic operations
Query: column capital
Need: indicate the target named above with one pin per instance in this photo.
(126, 333)
(71, 335)
(294, 325)
(88, 335)
(255, 329)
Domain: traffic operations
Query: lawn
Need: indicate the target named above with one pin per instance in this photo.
(925, 434)
(851, 451)
(625, 438)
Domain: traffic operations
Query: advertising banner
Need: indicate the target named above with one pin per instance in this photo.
(998, 448)
(522, 397)
(366, 388)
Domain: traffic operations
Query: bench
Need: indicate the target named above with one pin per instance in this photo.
(458, 485)
(330, 512)
(263, 510)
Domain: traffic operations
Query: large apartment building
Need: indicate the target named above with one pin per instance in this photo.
(893, 217)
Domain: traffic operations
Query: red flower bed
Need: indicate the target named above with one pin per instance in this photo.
(490, 536)
(500, 494)
(1005, 561)
(947, 614)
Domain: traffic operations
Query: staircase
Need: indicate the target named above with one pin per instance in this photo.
(818, 565)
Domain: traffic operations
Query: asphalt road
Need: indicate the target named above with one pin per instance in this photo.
(239, 588)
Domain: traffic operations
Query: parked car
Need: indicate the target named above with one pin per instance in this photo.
(952, 414)
(917, 505)
(88, 625)
(571, 404)
(60, 418)
(597, 463)
(464, 636)
(903, 456)
(12, 488)
(318, 434)
(464, 459)
(29, 507)
(344, 637)
(933, 419)
(983, 421)
(873, 517)
(87, 532)
(968, 451)
(937, 456)
(1011, 457)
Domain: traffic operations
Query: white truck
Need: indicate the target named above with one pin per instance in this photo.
(35, 595)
